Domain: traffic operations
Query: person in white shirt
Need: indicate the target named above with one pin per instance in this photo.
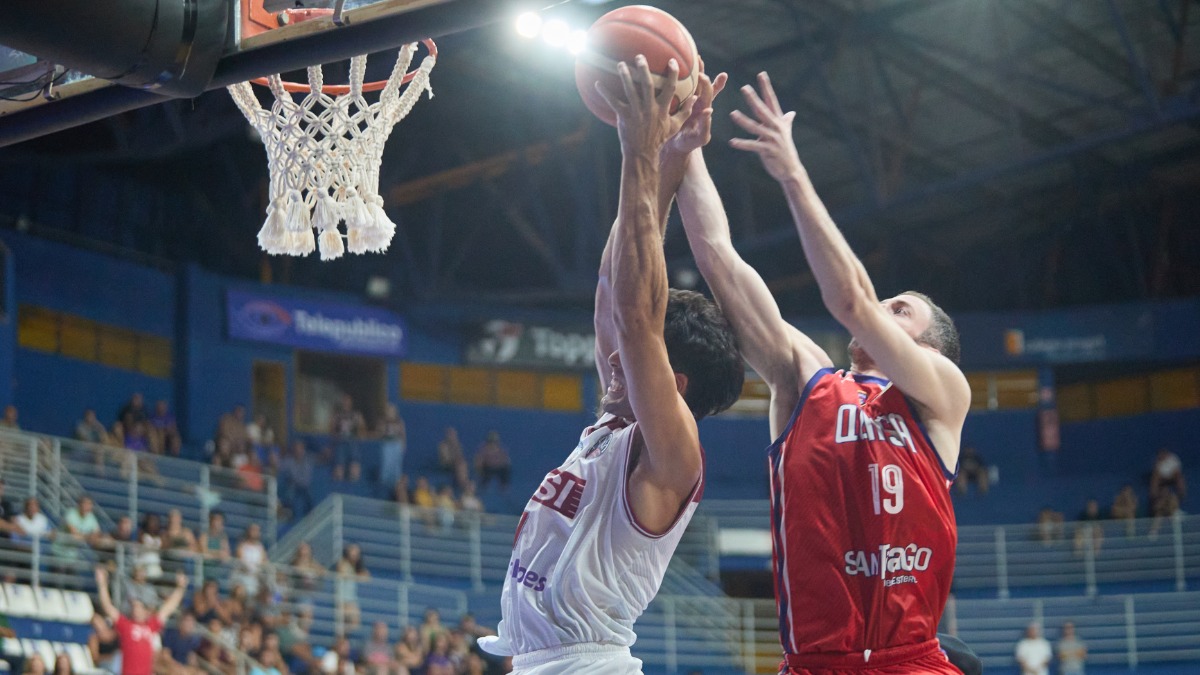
(1072, 652)
(1167, 475)
(32, 523)
(1034, 652)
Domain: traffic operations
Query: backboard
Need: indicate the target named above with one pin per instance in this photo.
(39, 96)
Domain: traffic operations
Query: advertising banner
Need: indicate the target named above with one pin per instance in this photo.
(319, 326)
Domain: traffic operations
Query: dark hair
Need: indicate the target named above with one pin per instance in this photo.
(701, 345)
(941, 334)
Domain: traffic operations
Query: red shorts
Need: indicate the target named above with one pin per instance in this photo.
(919, 659)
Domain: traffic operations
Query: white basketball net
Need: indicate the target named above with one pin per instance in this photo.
(324, 154)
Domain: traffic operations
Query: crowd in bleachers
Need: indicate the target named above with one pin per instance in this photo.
(1167, 489)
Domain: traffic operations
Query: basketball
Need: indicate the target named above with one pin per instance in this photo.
(621, 35)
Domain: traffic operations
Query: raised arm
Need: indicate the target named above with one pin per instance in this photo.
(106, 605)
(918, 370)
(784, 357)
(671, 171)
(670, 466)
(168, 606)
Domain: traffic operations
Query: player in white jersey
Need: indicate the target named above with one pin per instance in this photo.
(594, 542)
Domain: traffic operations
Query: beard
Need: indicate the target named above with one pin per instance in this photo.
(859, 358)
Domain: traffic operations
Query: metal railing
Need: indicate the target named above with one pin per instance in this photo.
(1162, 553)
(122, 482)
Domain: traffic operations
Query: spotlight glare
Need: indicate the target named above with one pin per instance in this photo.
(556, 32)
(529, 24)
(577, 41)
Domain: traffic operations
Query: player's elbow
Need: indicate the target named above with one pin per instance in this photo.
(847, 302)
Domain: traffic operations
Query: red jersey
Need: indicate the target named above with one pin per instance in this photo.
(862, 524)
(139, 641)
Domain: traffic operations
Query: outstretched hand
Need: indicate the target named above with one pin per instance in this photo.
(644, 119)
(696, 131)
(772, 128)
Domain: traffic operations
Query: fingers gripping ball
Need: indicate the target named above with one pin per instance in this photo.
(621, 35)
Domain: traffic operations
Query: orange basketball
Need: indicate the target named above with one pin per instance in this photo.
(621, 35)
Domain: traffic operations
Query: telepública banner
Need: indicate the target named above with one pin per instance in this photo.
(319, 326)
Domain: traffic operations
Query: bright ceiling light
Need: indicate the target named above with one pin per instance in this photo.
(556, 32)
(577, 41)
(529, 25)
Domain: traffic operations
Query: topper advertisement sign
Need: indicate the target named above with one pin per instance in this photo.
(506, 343)
(318, 326)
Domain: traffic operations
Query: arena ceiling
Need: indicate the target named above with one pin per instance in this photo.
(997, 154)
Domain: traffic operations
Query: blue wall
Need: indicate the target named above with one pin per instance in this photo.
(52, 392)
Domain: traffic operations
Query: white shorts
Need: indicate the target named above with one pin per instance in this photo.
(580, 659)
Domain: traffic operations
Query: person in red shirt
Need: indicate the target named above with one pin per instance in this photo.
(863, 529)
(137, 631)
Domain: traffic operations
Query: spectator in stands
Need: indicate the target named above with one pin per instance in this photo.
(137, 587)
(214, 542)
(432, 627)
(104, 645)
(438, 662)
(8, 512)
(475, 666)
(122, 534)
(1034, 652)
(293, 639)
(165, 429)
(232, 429)
(91, 430)
(1124, 508)
(350, 569)
(394, 437)
(236, 605)
(1072, 652)
(179, 647)
(1089, 529)
(1049, 526)
(80, 529)
(9, 421)
(208, 605)
(377, 653)
(338, 661)
(250, 472)
(179, 542)
(295, 480)
(347, 427)
(423, 498)
(458, 650)
(270, 662)
(446, 506)
(133, 411)
(400, 490)
(31, 523)
(492, 460)
(472, 631)
(1167, 475)
(972, 469)
(150, 543)
(306, 572)
(1166, 507)
(261, 437)
(451, 457)
(251, 554)
(411, 650)
(470, 502)
(138, 630)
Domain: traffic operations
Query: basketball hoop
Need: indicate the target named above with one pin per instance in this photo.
(324, 153)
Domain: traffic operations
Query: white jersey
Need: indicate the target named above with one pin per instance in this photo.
(583, 569)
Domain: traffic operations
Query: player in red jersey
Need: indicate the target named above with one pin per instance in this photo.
(864, 531)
